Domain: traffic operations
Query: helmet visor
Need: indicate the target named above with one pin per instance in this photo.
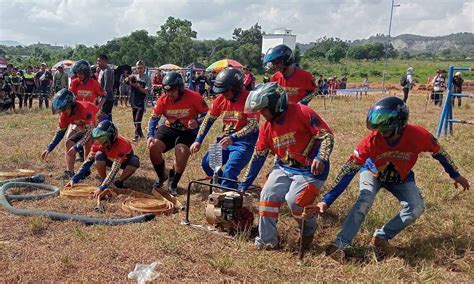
(255, 102)
(381, 119)
(100, 135)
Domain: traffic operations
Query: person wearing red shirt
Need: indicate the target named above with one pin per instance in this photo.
(302, 143)
(84, 87)
(183, 110)
(385, 158)
(80, 114)
(249, 79)
(240, 130)
(109, 150)
(298, 83)
(157, 79)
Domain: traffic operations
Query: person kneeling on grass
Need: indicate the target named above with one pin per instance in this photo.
(385, 158)
(109, 150)
(71, 112)
(184, 110)
(302, 143)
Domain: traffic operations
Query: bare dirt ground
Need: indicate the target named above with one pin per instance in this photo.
(438, 247)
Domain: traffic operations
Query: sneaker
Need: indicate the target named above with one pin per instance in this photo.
(66, 176)
(119, 184)
(382, 246)
(135, 139)
(336, 253)
(267, 247)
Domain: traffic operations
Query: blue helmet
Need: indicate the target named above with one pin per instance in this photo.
(64, 99)
(388, 114)
(280, 51)
(81, 65)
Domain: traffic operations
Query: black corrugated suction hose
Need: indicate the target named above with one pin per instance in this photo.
(54, 191)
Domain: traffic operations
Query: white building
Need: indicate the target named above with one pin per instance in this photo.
(279, 36)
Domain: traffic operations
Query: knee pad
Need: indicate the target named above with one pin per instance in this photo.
(133, 163)
(305, 197)
(100, 158)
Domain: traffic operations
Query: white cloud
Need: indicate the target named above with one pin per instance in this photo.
(96, 21)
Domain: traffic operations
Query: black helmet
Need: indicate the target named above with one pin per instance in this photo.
(388, 114)
(63, 99)
(280, 51)
(268, 95)
(229, 78)
(81, 65)
(106, 131)
(173, 79)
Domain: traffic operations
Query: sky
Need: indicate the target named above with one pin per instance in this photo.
(70, 22)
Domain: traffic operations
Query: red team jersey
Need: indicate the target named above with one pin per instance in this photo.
(297, 85)
(179, 113)
(293, 140)
(118, 152)
(88, 91)
(84, 114)
(233, 115)
(399, 158)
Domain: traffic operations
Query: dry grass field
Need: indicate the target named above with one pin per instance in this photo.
(438, 247)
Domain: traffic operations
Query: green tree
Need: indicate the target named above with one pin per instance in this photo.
(297, 54)
(175, 41)
(323, 46)
(358, 52)
(252, 35)
(335, 54)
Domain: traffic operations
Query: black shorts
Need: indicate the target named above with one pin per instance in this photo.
(76, 136)
(131, 160)
(172, 137)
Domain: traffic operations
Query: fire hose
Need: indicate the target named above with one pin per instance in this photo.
(35, 183)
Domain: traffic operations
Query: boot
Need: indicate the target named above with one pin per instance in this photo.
(382, 246)
(336, 253)
(173, 182)
(160, 172)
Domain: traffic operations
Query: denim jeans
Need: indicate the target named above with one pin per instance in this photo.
(407, 193)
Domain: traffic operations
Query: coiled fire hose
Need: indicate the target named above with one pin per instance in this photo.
(35, 183)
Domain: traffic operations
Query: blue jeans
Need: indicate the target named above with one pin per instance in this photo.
(235, 157)
(407, 193)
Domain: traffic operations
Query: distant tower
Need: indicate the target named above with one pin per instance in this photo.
(279, 36)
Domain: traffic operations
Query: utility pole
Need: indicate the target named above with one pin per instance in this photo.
(387, 44)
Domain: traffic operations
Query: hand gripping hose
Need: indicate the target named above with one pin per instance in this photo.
(54, 191)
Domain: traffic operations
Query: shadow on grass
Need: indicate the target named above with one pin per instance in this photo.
(140, 183)
(441, 249)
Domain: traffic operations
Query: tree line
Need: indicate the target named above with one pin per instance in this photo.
(175, 42)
